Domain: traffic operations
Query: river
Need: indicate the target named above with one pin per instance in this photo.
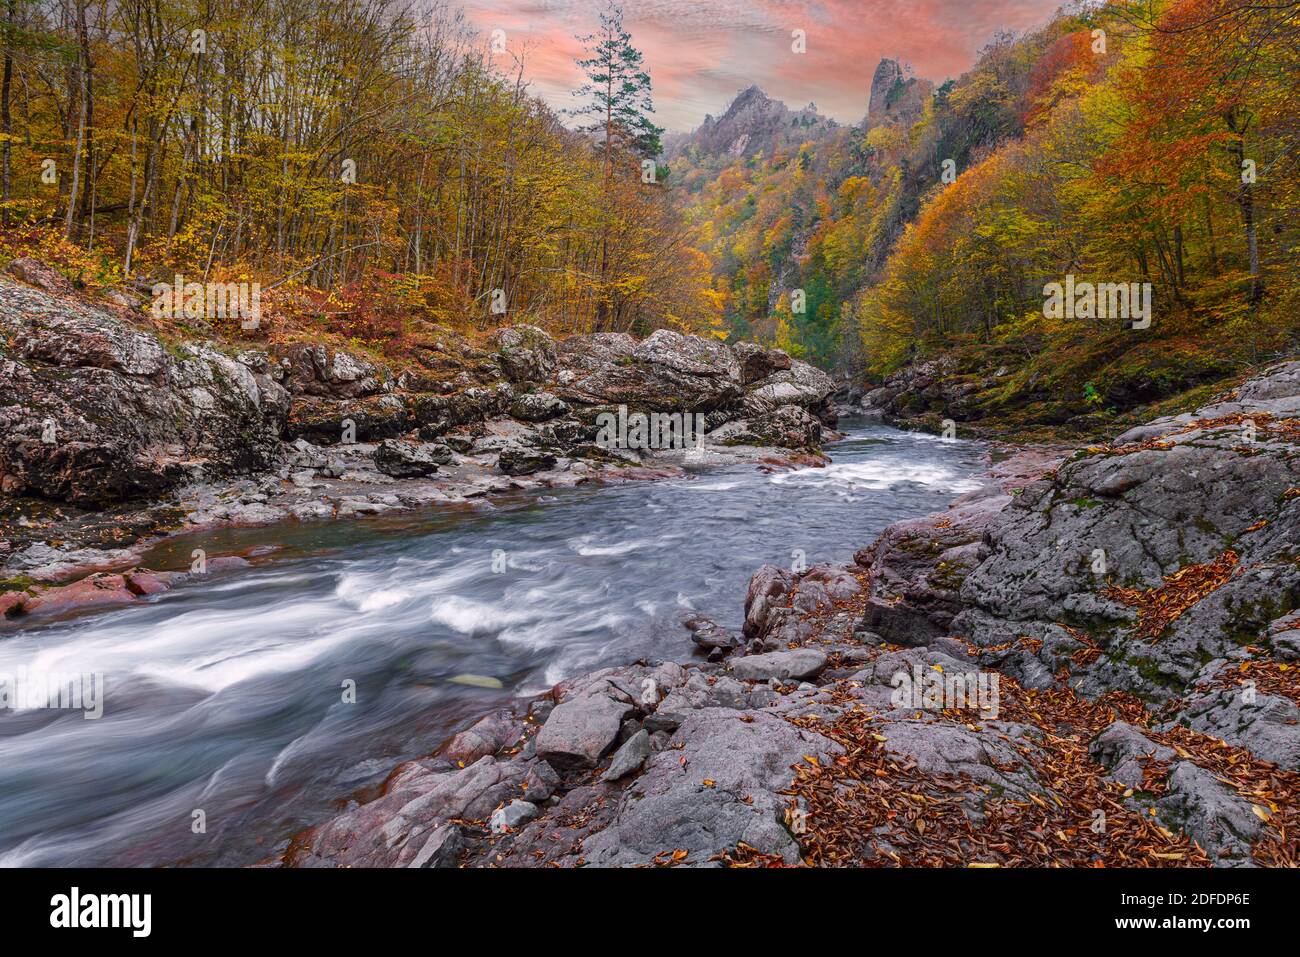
(226, 694)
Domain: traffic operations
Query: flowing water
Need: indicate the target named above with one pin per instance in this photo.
(226, 694)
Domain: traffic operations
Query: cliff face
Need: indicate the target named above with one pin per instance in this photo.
(896, 95)
(753, 122)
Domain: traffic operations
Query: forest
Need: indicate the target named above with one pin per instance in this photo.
(1150, 142)
(381, 169)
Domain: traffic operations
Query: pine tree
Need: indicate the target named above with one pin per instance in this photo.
(617, 91)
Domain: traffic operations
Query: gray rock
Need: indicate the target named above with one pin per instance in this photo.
(797, 663)
(409, 460)
(525, 353)
(518, 459)
(93, 411)
(540, 782)
(487, 736)
(629, 757)
(581, 730)
(442, 848)
(511, 817)
(392, 830)
(538, 407)
(670, 807)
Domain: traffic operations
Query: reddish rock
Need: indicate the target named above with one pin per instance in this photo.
(91, 591)
(11, 603)
(487, 737)
(38, 274)
(142, 581)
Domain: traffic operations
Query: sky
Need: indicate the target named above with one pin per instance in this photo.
(701, 53)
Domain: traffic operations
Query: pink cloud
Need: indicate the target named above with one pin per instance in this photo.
(701, 53)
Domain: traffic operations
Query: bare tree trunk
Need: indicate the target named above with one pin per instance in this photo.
(84, 83)
(6, 121)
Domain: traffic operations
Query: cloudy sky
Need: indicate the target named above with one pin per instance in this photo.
(702, 52)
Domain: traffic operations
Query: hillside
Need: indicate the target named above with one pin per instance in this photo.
(1113, 145)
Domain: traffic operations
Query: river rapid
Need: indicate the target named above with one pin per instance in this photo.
(226, 695)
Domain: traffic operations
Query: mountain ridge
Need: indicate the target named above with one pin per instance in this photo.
(754, 122)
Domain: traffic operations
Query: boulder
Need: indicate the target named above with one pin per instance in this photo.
(766, 589)
(409, 459)
(797, 663)
(512, 816)
(525, 354)
(538, 407)
(758, 363)
(629, 757)
(39, 274)
(331, 421)
(442, 848)
(581, 730)
(666, 372)
(318, 370)
(518, 459)
(393, 830)
(487, 736)
(93, 411)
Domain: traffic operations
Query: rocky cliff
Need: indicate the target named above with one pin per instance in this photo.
(896, 96)
(110, 435)
(753, 122)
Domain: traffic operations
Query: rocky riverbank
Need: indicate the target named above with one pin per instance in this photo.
(1091, 661)
(112, 436)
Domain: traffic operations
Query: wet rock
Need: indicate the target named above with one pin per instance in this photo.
(767, 587)
(393, 830)
(95, 591)
(712, 638)
(486, 737)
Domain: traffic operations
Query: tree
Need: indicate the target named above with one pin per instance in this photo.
(617, 91)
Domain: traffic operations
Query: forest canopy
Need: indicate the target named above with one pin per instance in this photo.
(376, 164)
